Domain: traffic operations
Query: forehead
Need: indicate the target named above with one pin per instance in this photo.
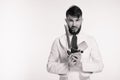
(73, 17)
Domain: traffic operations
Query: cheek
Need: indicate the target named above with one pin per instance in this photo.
(78, 24)
(70, 24)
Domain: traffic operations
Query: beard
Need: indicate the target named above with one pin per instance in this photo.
(72, 31)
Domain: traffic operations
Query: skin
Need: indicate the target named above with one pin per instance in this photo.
(74, 23)
(74, 59)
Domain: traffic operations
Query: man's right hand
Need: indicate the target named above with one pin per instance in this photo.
(74, 59)
(71, 60)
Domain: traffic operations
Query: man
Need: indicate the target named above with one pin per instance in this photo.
(74, 55)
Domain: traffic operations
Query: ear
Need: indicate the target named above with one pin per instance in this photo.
(82, 19)
(65, 20)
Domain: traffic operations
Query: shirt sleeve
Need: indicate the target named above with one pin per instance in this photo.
(95, 63)
(54, 65)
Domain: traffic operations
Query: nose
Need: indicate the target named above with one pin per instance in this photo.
(74, 23)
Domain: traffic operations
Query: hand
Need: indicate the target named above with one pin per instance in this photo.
(74, 59)
(71, 60)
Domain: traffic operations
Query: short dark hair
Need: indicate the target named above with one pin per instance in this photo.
(74, 11)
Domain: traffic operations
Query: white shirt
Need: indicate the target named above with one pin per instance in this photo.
(90, 59)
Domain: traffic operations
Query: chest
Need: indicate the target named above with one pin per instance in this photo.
(63, 48)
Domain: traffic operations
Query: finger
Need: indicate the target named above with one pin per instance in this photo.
(77, 53)
(75, 57)
(73, 63)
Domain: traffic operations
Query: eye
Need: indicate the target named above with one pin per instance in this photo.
(77, 19)
(70, 20)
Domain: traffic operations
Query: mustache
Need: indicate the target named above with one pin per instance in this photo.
(74, 27)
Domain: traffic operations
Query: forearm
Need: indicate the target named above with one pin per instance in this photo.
(57, 68)
(92, 66)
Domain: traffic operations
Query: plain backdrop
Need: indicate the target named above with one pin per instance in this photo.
(29, 27)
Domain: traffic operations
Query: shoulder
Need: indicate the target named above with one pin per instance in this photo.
(60, 38)
(89, 38)
(91, 41)
(60, 42)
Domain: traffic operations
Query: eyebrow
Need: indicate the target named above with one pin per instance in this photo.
(78, 19)
(72, 19)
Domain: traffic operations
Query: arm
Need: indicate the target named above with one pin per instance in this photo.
(95, 63)
(54, 65)
(77, 65)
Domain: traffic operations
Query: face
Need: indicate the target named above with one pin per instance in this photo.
(74, 24)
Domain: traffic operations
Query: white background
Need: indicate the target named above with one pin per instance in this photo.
(28, 28)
